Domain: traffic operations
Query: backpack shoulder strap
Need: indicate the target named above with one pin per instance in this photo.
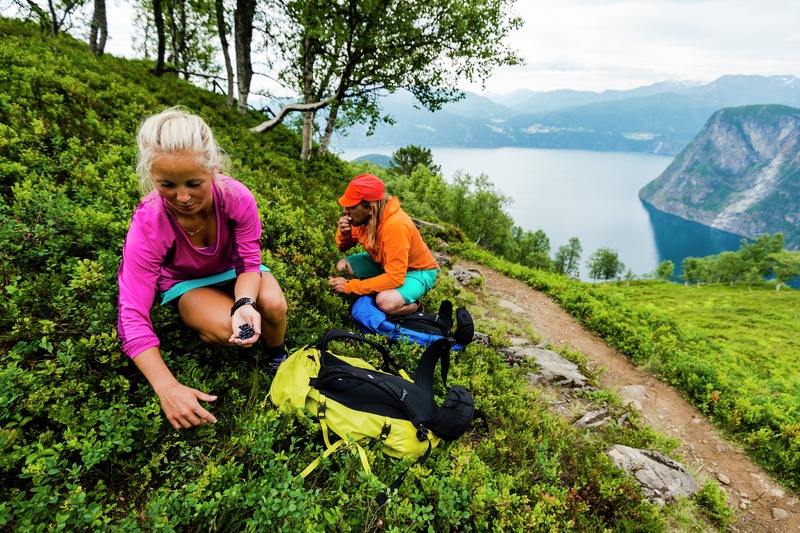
(383, 497)
(438, 350)
(445, 315)
(338, 334)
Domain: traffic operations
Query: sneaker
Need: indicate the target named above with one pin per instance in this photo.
(273, 364)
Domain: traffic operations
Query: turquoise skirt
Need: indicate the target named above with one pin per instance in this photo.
(210, 281)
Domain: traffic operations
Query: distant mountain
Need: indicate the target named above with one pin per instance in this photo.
(740, 174)
(384, 161)
(526, 101)
(661, 118)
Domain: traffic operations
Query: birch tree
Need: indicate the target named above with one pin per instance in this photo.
(343, 55)
(98, 29)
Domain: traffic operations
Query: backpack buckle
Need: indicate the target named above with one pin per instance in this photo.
(422, 433)
(385, 431)
(321, 410)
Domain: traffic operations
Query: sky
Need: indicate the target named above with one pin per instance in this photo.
(595, 45)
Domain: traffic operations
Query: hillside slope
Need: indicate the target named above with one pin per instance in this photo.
(740, 174)
(749, 488)
(84, 445)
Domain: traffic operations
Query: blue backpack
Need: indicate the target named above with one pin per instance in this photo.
(421, 328)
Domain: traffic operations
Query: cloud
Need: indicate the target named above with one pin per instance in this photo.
(620, 44)
(597, 45)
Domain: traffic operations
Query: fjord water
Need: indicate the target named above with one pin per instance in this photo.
(584, 194)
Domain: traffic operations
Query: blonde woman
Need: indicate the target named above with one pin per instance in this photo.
(194, 242)
(397, 265)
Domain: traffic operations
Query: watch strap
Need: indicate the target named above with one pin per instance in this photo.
(240, 302)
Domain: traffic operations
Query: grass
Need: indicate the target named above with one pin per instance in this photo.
(758, 324)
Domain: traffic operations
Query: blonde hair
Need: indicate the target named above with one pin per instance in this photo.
(372, 224)
(176, 130)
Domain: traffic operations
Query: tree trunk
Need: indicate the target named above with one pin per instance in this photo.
(329, 127)
(158, 17)
(172, 57)
(308, 135)
(180, 40)
(53, 18)
(223, 39)
(243, 35)
(98, 31)
(309, 56)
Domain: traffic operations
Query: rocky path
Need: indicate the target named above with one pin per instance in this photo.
(761, 504)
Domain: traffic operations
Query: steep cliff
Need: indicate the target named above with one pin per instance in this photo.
(740, 174)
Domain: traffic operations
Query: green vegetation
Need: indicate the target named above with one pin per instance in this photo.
(755, 351)
(732, 350)
(604, 264)
(752, 263)
(83, 442)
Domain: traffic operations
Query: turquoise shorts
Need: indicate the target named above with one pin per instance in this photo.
(416, 284)
(179, 289)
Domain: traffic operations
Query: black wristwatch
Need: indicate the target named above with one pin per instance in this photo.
(240, 302)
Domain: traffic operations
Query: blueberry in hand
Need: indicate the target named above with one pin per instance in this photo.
(246, 331)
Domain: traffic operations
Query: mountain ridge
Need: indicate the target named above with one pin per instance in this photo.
(741, 174)
(661, 118)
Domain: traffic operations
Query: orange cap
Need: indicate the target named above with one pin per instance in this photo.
(363, 187)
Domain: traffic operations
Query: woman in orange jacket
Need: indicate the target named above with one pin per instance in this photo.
(396, 265)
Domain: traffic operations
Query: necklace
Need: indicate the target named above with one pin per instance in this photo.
(195, 232)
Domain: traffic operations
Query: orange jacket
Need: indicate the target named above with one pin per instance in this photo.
(398, 248)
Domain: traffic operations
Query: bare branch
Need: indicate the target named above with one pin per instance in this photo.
(268, 125)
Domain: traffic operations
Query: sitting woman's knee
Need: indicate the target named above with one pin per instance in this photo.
(274, 309)
(344, 266)
(389, 301)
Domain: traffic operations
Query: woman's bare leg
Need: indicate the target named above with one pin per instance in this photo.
(207, 311)
(271, 303)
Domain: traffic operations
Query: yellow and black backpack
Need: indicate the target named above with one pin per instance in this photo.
(358, 403)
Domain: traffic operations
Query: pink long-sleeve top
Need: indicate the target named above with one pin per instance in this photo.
(157, 254)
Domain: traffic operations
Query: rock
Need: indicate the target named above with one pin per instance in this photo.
(518, 341)
(725, 480)
(481, 339)
(511, 306)
(552, 367)
(661, 478)
(464, 276)
(779, 514)
(593, 419)
(633, 404)
(441, 259)
(633, 392)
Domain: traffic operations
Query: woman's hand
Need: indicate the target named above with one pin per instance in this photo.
(181, 404)
(246, 314)
(337, 284)
(182, 407)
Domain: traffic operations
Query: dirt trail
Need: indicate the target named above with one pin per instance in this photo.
(751, 491)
